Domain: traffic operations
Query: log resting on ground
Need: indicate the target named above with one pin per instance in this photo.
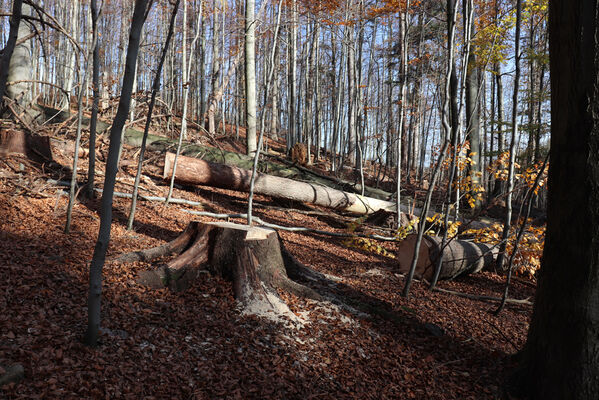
(249, 257)
(133, 137)
(459, 257)
(199, 172)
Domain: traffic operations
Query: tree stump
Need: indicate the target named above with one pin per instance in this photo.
(35, 147)
(248, 256)
(459, 257)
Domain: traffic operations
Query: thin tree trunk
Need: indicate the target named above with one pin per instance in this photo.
(72, 190)
(155, 89)
(262, 120)
(510, 180)
(95, 15)
(473, 114)
(445, 114)
(97, 263)
(250, 76)
(403, 98)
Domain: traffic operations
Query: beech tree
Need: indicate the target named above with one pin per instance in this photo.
(561, 356)
(95, 273)
(250, 76)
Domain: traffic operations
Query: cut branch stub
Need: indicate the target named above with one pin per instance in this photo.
(250, 257)
(459, 257)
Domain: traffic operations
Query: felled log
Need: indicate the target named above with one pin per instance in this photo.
(198, 172)
(459, 257)
(249, 257)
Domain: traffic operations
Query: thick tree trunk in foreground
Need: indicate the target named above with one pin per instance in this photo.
(459, 257)
(250, 257)
(199, 172)
(562, 353)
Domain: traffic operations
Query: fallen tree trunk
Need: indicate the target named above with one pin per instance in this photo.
(200, 172)
(249, 257)
(459, 257)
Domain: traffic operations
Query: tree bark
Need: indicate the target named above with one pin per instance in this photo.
(473, 112)
(91, 172)
(458, 257)
(250, 76)
(199, 172)
(97, 263)
(561, 356)
(249, 257)
(20, 67)
(15, 24)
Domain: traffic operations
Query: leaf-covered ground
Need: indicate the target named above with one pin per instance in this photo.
(158, 344)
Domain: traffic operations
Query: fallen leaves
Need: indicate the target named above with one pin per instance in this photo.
(194, 344)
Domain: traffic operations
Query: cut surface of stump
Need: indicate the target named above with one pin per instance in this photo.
(250, 257)
(459, 257)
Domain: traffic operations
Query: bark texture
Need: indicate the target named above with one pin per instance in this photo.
(562, 352)
(459, 257)
(249, 257)
(199, 172)
(35, 147)
(20, 67)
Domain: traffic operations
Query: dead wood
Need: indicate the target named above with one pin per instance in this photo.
(35, 147)
(199, 172)
(459, 257)
(249, 257)
(293, 228)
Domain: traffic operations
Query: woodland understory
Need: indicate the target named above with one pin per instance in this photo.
(279, 199)
(196, 343)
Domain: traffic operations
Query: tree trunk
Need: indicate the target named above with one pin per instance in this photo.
(458, 257)
(199, 172)
(250, 77)
(155, 89)
(91, 172)
(249, 257)
(561, 356)
(97, 263)
(472, 115)
(512, 150)
(7, 52)
(20, 69)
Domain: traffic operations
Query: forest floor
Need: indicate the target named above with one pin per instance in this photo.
(195, 344)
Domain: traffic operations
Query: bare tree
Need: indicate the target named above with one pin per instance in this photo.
(250, 76)
(95, 274)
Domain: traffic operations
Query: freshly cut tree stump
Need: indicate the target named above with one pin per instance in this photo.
(459, 257)
(248, 256)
